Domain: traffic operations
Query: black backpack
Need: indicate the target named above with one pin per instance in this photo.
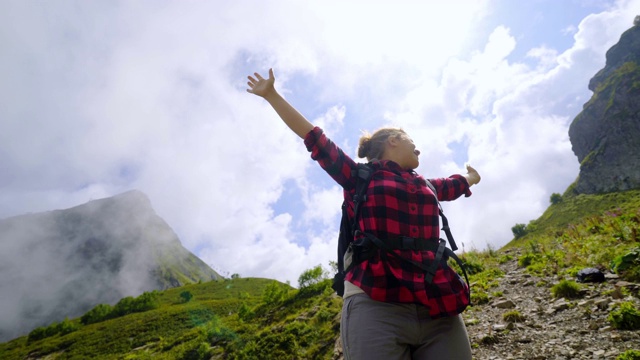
(357, 251)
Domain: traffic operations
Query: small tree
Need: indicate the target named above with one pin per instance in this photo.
(245, 312)
(273, 293)
(311, 276)
(186, 296)
(555, 198)
(519, 230)
(99, 313)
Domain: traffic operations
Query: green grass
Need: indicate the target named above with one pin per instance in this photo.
(581, 231)
(302, 322)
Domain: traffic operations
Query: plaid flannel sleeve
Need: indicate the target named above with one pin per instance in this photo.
(452, 187)
(331, 158)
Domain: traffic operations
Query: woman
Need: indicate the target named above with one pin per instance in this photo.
(389, 310)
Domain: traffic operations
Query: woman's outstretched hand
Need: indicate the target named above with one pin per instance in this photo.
(265, 89)
(472, 175)
(261, 86)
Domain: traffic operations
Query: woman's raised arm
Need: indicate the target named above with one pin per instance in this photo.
(265, 88)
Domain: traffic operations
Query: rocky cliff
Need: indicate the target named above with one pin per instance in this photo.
(62, 263)
(605, 136)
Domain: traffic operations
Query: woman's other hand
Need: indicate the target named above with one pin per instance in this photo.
(472, 175)
(261, 86)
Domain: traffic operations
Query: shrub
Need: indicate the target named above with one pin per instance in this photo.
(145, 302)
(66, 327)
(201, 352)
(555, 198)
(505, 258)
(526, 260)
(626, 317)
(99, 313)
(479, 297)
(38, 333)
(273, 293)
(629, 355)
(245, 313)
(472, 266)
(128, 305)
(566, 289)
(186, 296)
(628, 265)
(513, 316)
(490, 339)
(218, 334)
(519, 230)
(62, 328)
(311, 276)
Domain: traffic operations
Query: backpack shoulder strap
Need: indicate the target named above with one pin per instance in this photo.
(445, 221)
(363, 174)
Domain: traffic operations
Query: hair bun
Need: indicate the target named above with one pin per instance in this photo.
(364, 147)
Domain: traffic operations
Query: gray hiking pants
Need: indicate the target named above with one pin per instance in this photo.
(372, 330)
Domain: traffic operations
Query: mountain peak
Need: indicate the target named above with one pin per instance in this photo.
(67, 261)
(604, 136)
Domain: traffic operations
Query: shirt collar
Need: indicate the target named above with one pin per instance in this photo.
(391, 166)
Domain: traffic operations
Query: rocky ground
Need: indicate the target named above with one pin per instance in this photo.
(551, 329)
(548, 328)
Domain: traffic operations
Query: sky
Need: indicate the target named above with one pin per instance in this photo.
(99, 98)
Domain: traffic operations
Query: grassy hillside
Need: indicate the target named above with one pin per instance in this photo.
(573, 209)
(242, 318)
(596, 230)
(261, 318)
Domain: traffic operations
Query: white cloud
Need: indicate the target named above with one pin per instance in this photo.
(101, 98)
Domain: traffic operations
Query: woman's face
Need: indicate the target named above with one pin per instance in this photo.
(407, 153)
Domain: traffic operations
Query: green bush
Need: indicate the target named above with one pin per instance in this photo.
(473, 266)
(526, 260)
(629, 355)
(186, 296)
(479, 297)
(626, 317)
(274, 293)
(99, 313)
(128, 305)
(513, 316)
(201, 352)
(519, 230)
(555, 198)
(566, 289)
(505, 258)
(245, 313)
(62, 328)
(38, 333)
(218, 334)
(628, 265)
(67, 326)
(311, 276)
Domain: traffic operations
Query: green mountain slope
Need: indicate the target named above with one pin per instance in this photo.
(64, 262)
(175, 329)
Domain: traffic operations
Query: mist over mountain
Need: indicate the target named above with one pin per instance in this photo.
(62, 263)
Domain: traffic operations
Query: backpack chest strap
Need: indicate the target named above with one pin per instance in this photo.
(409, 243)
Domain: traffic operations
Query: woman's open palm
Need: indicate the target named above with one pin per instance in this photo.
(259, 85)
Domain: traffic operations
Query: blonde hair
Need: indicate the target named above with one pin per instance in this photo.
(372, 146)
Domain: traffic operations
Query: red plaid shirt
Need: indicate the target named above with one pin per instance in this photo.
(399, 203)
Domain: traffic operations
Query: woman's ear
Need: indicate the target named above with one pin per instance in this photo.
(393, 140)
